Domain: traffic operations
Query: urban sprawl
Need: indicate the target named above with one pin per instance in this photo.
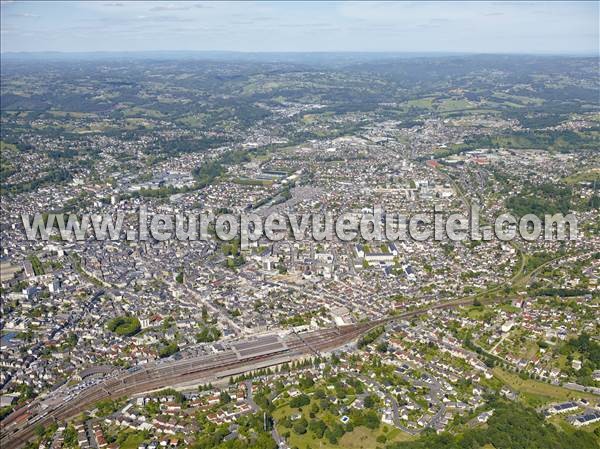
(299, 342)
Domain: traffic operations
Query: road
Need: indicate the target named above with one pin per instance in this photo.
(390, 397)
(250, 396)
(19, 427)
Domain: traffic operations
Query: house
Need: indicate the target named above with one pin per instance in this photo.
(586, 419)
(565, 407)
(483, 417)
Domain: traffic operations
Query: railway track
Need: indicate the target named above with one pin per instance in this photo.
(157, 375)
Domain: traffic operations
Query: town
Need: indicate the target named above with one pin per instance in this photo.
(498, 330)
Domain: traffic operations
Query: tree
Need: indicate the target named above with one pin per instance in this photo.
(124, 325)
(369, 402)
(369, 419)
(224, 398)
(168, 350)
(299, 401)
(70, 436)
(208, 334)
(300, 428)
(317, 427)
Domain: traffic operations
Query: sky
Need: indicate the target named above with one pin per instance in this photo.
(475, 27)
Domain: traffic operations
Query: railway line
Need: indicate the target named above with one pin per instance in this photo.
(19, 427)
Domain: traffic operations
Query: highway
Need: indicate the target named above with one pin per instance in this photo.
(63, 404)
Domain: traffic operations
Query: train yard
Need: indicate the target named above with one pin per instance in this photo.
(20, 426)
(239, 357)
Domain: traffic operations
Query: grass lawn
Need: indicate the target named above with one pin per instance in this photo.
(536, 393)
(454, 104)
(479, 313)
(137, 111)
(360, 438)
(531, 349)
(73, 114)
(132, 441)
(509, 308)
(4, 146)
(559, 421)
(395, 435)
(252, 182)
(586, 175)
(306, 440)
(193, 120)
(422, 103)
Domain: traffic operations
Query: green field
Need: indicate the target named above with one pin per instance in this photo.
(138, 111)
(590, 175)
(359, 438)
(535, 393)
(132, 441)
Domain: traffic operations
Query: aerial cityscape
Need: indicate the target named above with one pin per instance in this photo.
(299, 239)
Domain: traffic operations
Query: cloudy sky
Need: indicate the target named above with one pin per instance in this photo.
(491, 27)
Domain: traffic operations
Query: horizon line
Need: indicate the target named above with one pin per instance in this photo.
(305, 52)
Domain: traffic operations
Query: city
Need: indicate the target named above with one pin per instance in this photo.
(141, 343)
